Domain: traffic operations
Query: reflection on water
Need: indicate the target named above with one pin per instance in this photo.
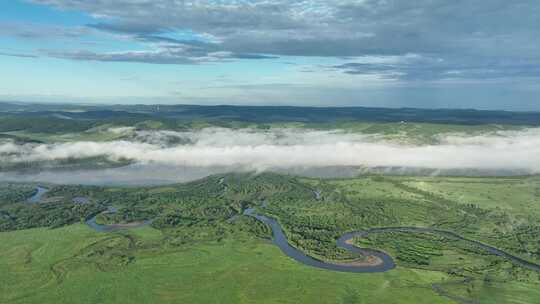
(160, 174)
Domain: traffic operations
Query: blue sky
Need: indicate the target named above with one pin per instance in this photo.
(387, 53)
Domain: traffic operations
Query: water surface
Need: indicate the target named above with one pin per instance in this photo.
(280, 239)
(91, 222)
(36, 198)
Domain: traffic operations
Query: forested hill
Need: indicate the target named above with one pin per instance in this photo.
(266, 114)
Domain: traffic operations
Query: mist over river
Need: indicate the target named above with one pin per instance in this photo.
(164, 156)
(150, 174)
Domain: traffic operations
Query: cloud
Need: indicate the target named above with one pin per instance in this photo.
(28, 30)
(330, 28)
(287, 148)
(160, 56)
(20, 55)
(129, 28)
(468, 40)
(423, 48)
(156, 57)
(418, 67)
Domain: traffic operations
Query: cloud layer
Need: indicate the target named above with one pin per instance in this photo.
(286, 148)
(455, 39)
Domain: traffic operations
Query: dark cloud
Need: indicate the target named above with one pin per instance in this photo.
(468, 39)
(330, 28)
(415, 67)
(163, 56)
(129, 28)
(158, 57)
(252, 56)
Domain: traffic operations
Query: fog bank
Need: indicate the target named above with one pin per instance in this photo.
(258, 150)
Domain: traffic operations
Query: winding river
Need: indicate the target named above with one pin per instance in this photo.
(377, 261)
(91, 222)
(36, 198)
(114, 227)
(380, 261)
(490, 249)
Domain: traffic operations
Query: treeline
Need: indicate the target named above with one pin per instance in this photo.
(125, 216)
(52, 215)
(11, 193)
(42, 124)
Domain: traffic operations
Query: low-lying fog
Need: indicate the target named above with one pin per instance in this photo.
(169, 156)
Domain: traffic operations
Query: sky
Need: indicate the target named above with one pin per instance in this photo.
(384, 53)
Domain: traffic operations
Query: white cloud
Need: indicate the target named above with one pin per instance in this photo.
(286, 148)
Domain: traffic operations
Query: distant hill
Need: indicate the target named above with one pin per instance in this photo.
(264, 114)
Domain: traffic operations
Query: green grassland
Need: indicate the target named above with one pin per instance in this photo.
(200, 249)
(76, 265)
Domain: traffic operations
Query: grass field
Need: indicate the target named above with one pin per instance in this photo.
(53, 266)
(193, 253)
(517, 195)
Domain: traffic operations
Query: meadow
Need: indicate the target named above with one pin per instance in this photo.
(67, 265)
(200, 249)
